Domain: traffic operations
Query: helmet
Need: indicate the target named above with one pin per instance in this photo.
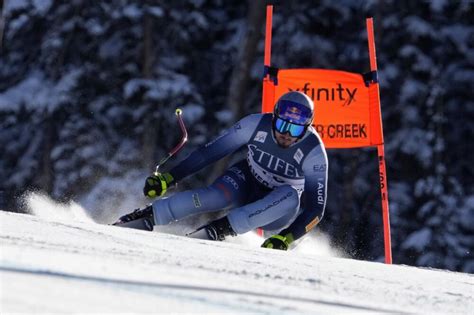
(293, 113)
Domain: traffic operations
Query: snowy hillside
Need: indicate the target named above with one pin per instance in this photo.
(72, 266)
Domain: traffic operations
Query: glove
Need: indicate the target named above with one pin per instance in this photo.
(278, 241)
(157, 184)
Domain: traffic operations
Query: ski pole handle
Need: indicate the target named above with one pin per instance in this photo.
(179, 146)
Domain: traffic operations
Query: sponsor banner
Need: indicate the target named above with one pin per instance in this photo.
(347, 112)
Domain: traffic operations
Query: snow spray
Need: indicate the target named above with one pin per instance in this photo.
(43, 206)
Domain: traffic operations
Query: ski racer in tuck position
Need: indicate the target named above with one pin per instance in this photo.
(280, 187)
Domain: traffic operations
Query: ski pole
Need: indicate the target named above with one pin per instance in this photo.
(180, 145)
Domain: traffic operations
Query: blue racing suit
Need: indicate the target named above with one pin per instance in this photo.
(264, 190)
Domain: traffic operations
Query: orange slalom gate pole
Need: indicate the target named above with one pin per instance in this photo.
(268, 36)
(267, 92)
(268, 87)
(381, 153)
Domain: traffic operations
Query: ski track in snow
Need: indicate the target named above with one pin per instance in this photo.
(50, 263)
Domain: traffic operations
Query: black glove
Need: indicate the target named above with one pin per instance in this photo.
(157, 184)
(278, 241)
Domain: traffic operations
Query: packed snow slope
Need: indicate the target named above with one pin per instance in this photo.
(71, 266)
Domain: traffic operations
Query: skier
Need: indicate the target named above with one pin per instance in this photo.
(280, 187)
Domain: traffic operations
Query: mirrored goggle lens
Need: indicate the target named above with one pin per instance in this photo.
(283, 126)
(293, 112)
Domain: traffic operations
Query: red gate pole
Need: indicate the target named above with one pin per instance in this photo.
(268, 88)
(268, 36)
(381, 153)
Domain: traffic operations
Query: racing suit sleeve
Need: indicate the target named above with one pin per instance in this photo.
(315, 168)
(228, 142)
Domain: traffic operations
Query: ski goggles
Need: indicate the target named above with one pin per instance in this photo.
(283, 126)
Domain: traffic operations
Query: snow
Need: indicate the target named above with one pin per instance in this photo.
(41, 6)
(59, 261)
(198, 19)
(132, 11)
(459, 35)
(192, 113)
(414, 142)
(111, 48)
(16, 24)
(225, 116)
(11, 6)
(156, 11)
(158, 90)
(418, 240)
(37, 93)
(438, 5)
(418, 26)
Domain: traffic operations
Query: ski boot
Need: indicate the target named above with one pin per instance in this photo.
(141, 219)
(216, 230)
